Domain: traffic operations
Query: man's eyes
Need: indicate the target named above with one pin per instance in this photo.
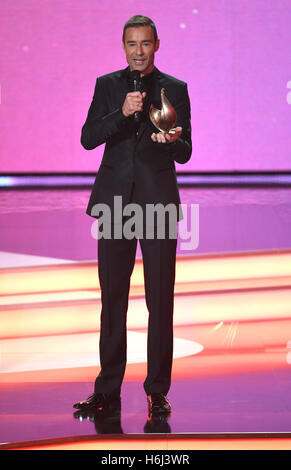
(144, 44)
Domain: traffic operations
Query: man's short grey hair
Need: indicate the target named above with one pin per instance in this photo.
(137, 21)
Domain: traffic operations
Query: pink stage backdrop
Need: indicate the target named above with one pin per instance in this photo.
(234, 54)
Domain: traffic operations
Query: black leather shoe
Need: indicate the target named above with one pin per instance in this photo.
(157, 404)
(100, 402)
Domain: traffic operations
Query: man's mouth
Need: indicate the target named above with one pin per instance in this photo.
(139, 61)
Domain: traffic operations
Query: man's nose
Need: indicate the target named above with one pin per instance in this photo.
(139, 50)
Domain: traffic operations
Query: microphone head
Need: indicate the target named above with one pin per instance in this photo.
(134, 80)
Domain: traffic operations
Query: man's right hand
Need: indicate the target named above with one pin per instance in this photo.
(133, 102)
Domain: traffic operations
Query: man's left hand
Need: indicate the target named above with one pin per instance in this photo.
(165, 138)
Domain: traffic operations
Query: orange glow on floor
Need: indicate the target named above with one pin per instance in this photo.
(236, 306)
(241, 443)
(83, 316)
(200, 268)
(208, 289)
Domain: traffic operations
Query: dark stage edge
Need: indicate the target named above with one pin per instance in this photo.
(142, 437)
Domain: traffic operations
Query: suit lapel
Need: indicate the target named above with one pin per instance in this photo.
(123, 88)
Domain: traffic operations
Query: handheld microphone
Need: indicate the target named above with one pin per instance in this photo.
(135, 81)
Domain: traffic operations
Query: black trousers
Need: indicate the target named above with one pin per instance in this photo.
(116, 259)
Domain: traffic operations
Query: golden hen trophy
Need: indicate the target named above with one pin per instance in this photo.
(164, 119)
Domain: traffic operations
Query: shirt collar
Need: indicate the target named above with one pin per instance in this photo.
(146, 78)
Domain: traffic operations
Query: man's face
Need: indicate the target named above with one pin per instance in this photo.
(140, 47)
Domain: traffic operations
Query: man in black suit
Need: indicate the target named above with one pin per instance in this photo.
(138, 167)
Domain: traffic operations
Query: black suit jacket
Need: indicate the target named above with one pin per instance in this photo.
(130, 157)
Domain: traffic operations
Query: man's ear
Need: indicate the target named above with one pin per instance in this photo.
(157, 45)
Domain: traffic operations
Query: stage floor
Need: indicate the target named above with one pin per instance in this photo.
(53, 223)
(232, 348)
